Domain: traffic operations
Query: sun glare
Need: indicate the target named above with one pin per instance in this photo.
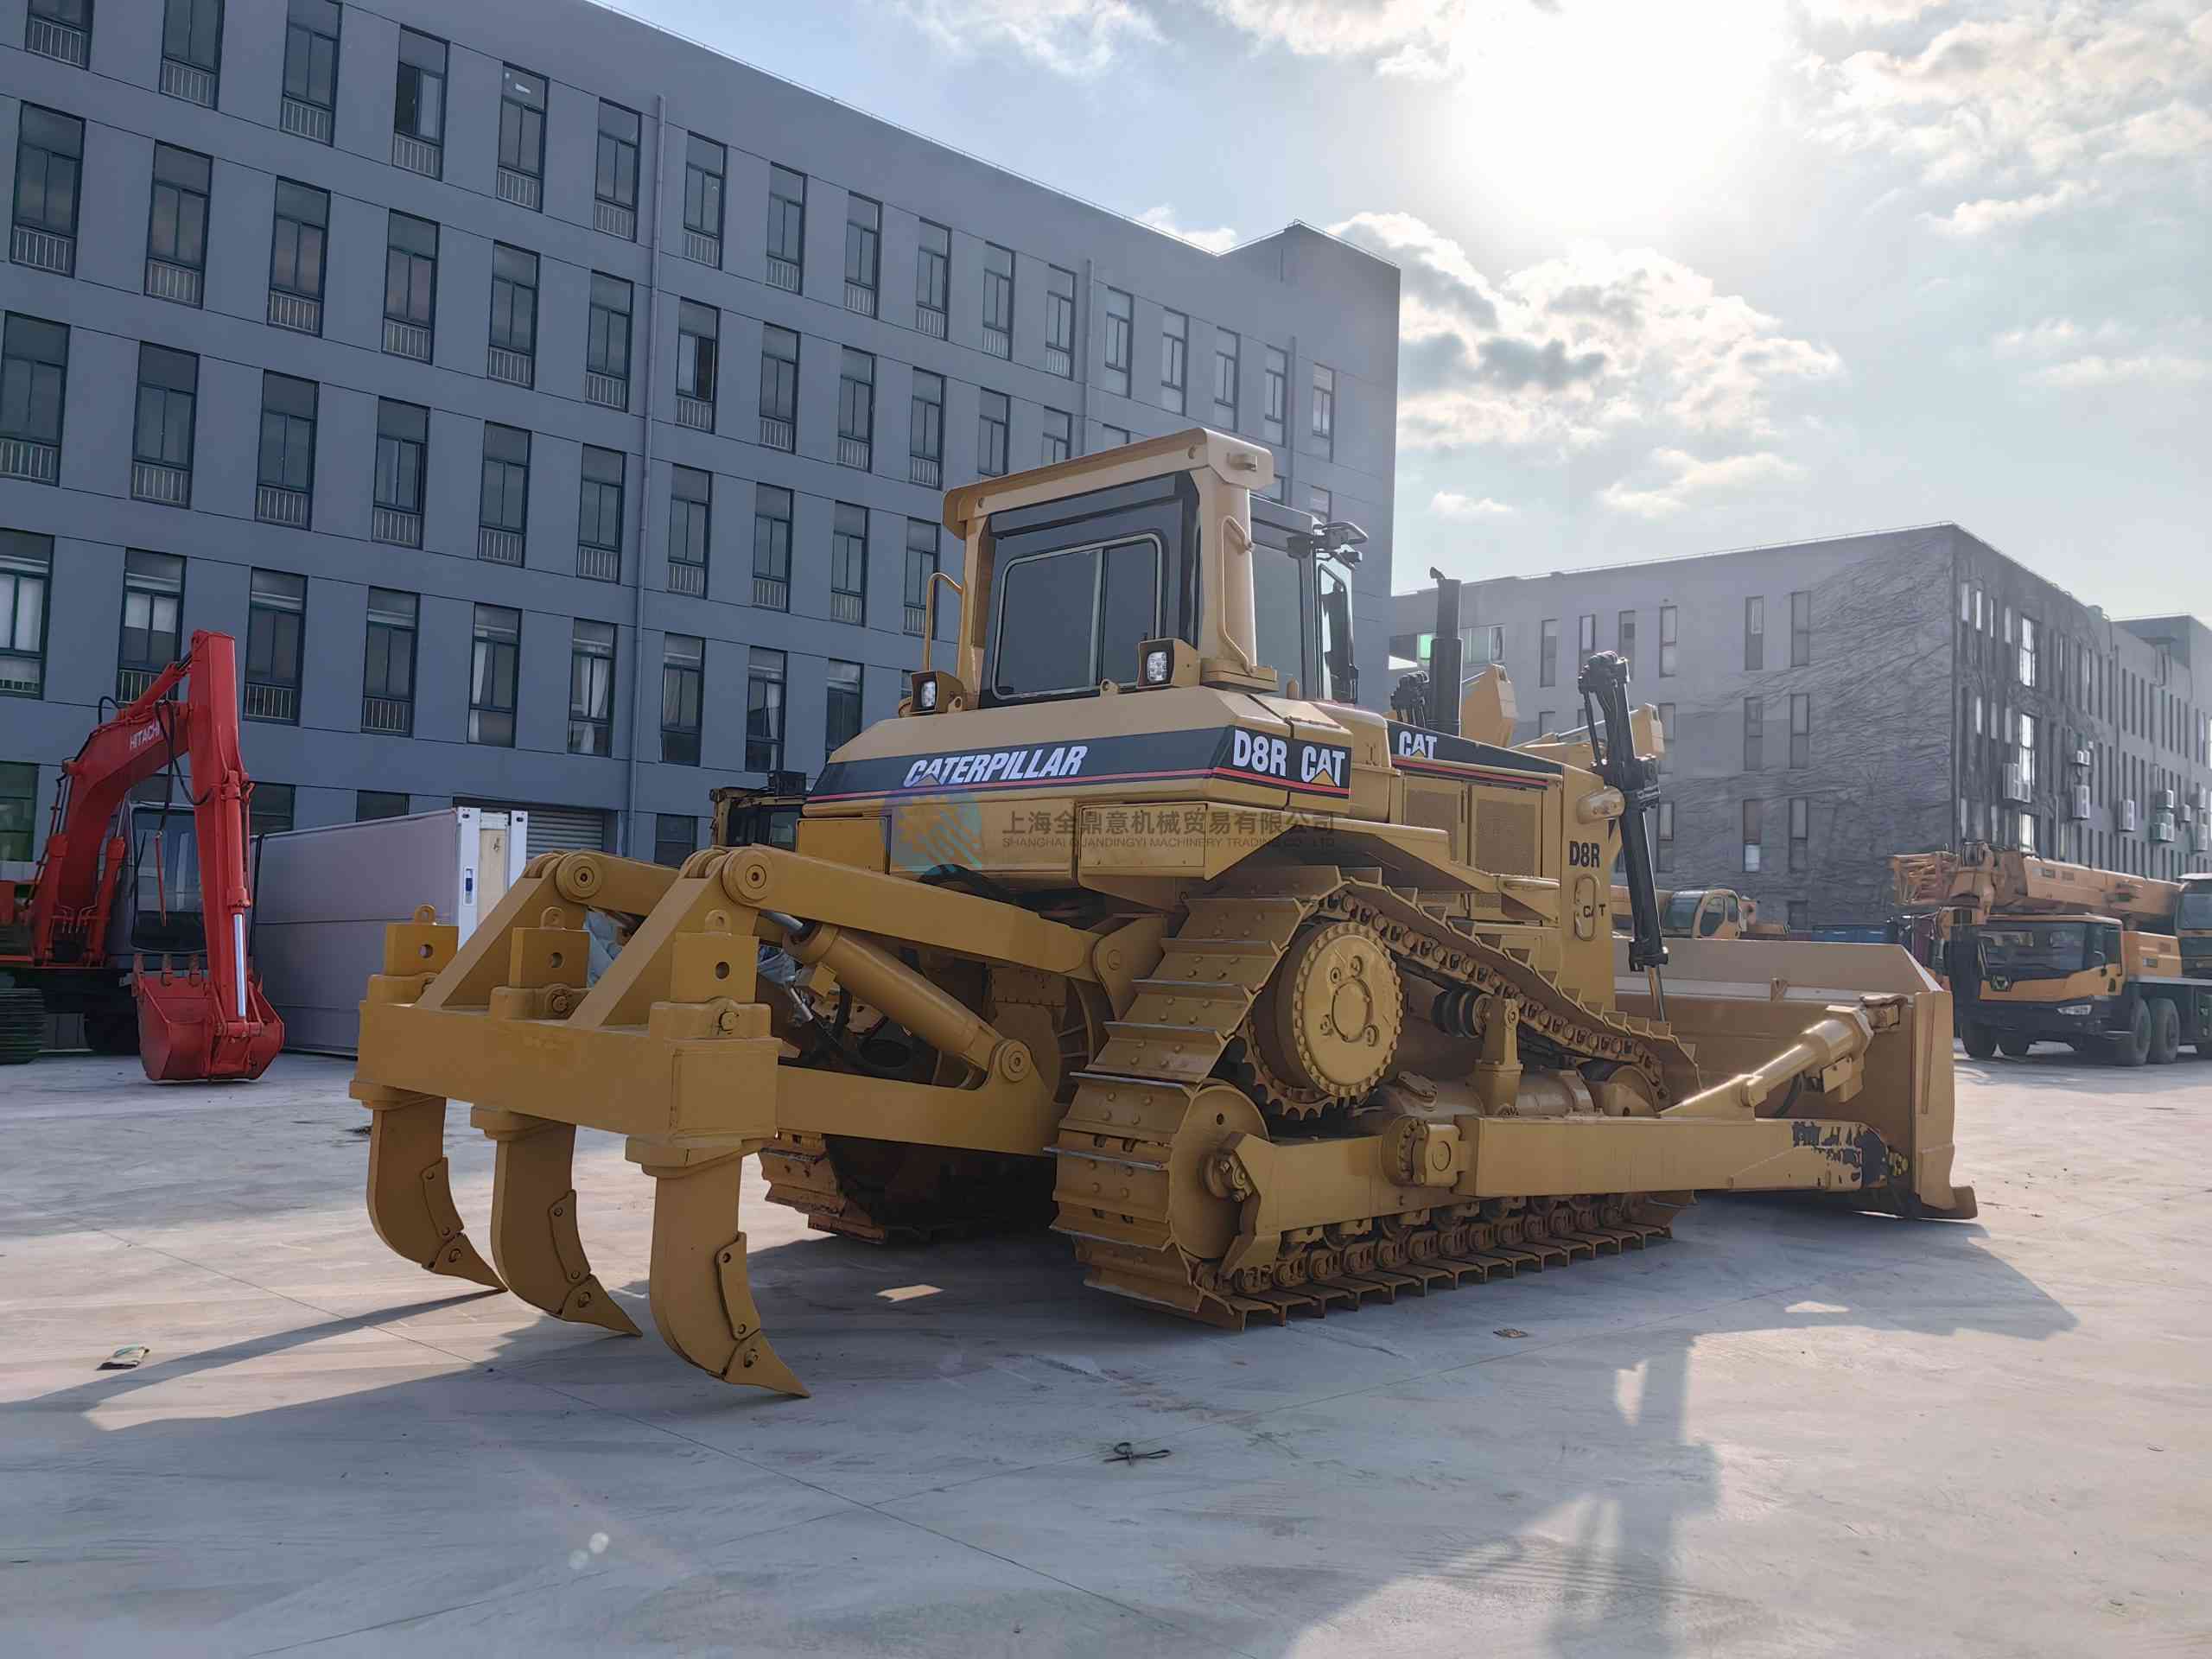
(1590, 113)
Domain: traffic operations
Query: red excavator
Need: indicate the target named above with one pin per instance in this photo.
(143, 903)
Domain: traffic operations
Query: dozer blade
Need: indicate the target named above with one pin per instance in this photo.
(410, 1192)
(534, 1236)
(702, 1294)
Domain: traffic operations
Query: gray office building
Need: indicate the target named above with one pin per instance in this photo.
(557, 412)
(1828, 703)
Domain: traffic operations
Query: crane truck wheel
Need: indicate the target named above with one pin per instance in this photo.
(2133, 1046)
(1980, 1041)
(2014, 1047)
(2165, 1033)
(23, 1025)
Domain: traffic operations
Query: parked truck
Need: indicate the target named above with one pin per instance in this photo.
(2039, 950)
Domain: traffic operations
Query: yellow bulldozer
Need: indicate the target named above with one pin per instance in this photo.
(1267, 1003)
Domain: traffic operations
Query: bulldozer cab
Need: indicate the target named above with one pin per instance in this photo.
(1169, 569)
(760, 817)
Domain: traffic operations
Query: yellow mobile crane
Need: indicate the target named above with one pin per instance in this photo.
(1266, 1002)
(2039, 950)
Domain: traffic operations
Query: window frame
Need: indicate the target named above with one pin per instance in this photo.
(151, 354)
(764, 499)
(624, 174)
(278, 218)
(392, 631)
(26, 432)
(45, 225)
(1174, 361)
(698, 514)
(495, 665)
(443, 76)
(510, 487)
(150, 586)
(405, 449)
(769, 681)
(273, 607)
(416, 259)
(784, 406)
(711, 181)
(684, 673)
(515, 98)
(184, 193)
(591, 687)
(273, 380)
(787, 219)
(1120, 330)
(993, 432)
(294, 24)
(26, 556)
(515, 286)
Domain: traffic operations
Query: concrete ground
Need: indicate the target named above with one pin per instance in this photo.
(1785, 1432)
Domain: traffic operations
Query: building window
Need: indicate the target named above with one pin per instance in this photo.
(26, 569)
(388, 664)
(2028, 655)
(33, 381)
(161, 451)
(615, 178)
(1174, 359)
(61, 29)
(1548, 651)
(1274, 413)
(1117, 436)
(1667, 737)
(275, 618)
(764, 710)
(848, 564)
(606, 343)
(841, 724)
(410, 286)
(192, 49)
(298, 248)
(1801, 834)
(503, 504)
(1320, 502)
(514, 351)
(153, 603)
(177, 225)
(372, 804)
(706, 164)
(495, 654)
(698, 346)
(1059, 321)
(1324, 409)
(1225, 348)
(1585, 639)
(1544, 722)
(676, 837)
(1754, 831)
(1799, 913)
(418, 110)
(772, 547)
(991, 438)
(1117, 341)
(1801, 630)
(522, 137)
(691, 529)
(1755, 632)
(1801, 728)
(1059, 437)
(932, 279)
(591, 688)
(1754, 733)
(925, 432)
(1663, 838)
(285, 485)
(863, 253)
(310, 69)
(786, 228)
(922, 563)
(599, 514)
(856, 409)
(269, 809)
(1625, 639)
(778, 387)
(1666, 642)
(403, 458)
(998, 299)
(1486, 646)
(49, 178)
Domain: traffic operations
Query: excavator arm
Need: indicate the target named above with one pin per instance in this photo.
(207, 1021)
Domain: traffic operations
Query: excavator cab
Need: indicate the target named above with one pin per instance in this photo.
(162, 913)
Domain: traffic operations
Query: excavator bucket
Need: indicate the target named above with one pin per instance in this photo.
(183, 1036)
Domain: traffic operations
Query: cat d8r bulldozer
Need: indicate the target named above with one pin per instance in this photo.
(1269, 1004)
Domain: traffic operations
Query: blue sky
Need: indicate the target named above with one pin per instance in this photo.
(1678, 277)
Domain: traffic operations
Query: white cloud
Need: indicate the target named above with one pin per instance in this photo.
(1072, 37)
(2045, 104)
(1686, 481)
(2161, 368)
(1865, 14)
(1450, 504)
(1980, 218)
(1410, 38)
(1162, 219)
(1595, 342)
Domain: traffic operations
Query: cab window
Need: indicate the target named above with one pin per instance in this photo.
(1071, 618)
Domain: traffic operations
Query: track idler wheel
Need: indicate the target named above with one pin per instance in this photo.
(702, 1294)
(411, 1189)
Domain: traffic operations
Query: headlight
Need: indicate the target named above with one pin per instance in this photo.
(2076, 1007)
(1158, 664)
(925, 695)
